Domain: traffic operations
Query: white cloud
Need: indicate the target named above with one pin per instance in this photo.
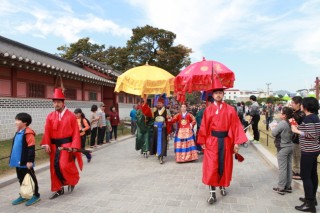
(62, 22)
(248, 24)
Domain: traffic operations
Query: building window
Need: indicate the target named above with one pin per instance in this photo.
(121, 99)
(71, 94)
(36, 90)
(130, 99)
(92, 96)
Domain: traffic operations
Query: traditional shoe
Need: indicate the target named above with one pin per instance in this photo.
(223, 191)
(70, 188)
(33, 200)
(212, 199)
(161, 160)
(18, 200)
(279, 191)
(57, 194)
(145, 155)
(304, 200)
(89, 158)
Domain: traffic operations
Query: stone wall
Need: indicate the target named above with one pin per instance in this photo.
(37, 108)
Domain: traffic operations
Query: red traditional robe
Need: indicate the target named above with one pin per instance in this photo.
(222, 119)
(64, 127)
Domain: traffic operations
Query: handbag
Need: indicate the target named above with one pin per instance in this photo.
(27, 187)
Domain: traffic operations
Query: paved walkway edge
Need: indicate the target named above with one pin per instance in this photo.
(272, 160)
(9, 179)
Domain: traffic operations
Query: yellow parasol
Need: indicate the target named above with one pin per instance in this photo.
(145, 79)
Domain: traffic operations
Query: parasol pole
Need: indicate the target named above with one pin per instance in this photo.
(213, 70)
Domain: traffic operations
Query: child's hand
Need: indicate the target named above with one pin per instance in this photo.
(29, 165)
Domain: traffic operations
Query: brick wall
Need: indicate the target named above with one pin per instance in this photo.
(37, 108)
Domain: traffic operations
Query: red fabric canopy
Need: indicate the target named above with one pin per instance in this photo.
(203, 76)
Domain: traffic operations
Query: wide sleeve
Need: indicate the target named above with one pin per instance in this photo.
(204, 128)
(192, 120)
(46, 135)
(237, 134)
(146, 110)
(175, 118)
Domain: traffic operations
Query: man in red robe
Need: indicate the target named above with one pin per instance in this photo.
(220, 134)
(62, 130)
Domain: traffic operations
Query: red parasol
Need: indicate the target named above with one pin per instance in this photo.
(202, 76)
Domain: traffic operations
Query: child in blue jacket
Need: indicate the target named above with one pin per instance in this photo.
(23, 155)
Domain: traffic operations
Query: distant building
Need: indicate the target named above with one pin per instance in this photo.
(244, 95)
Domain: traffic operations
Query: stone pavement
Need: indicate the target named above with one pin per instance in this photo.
(119, 179)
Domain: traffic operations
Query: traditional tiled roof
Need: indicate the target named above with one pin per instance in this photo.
(96, 65)
(20, 55)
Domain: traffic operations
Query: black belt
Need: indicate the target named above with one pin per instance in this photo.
(60, 141)
(219, 134)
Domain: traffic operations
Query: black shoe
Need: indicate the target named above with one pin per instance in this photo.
(89, 157)
(161, 160)
(57, 194)
(223, 191)
(304, 200)
(212, 199)
(307, 206)
(70, 188)
(288, 189)
(279, 191)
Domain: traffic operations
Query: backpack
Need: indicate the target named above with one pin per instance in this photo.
(88, 132)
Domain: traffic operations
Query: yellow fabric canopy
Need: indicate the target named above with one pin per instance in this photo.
(145, 79)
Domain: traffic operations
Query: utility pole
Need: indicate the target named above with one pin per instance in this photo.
(268, 84)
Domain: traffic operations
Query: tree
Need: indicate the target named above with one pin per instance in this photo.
(193, 98)
(82, 46)
(147, 44)
(155, 46)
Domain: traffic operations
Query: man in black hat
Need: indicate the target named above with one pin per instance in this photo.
(220, 134)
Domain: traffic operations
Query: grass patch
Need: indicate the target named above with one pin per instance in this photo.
(41, 155)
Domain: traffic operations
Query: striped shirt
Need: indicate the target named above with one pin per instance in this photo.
(309, 139)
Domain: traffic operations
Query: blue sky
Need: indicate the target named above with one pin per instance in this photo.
(269, 41)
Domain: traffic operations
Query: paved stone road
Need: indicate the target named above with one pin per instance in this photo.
(119, 179)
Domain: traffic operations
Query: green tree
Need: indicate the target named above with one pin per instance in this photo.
(155, 46)
(193, 98)
(82, 46)
(147, 44)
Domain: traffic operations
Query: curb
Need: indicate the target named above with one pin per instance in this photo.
(7, 180)
(272, 160)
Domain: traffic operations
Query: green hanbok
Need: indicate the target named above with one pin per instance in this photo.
(144, 127)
